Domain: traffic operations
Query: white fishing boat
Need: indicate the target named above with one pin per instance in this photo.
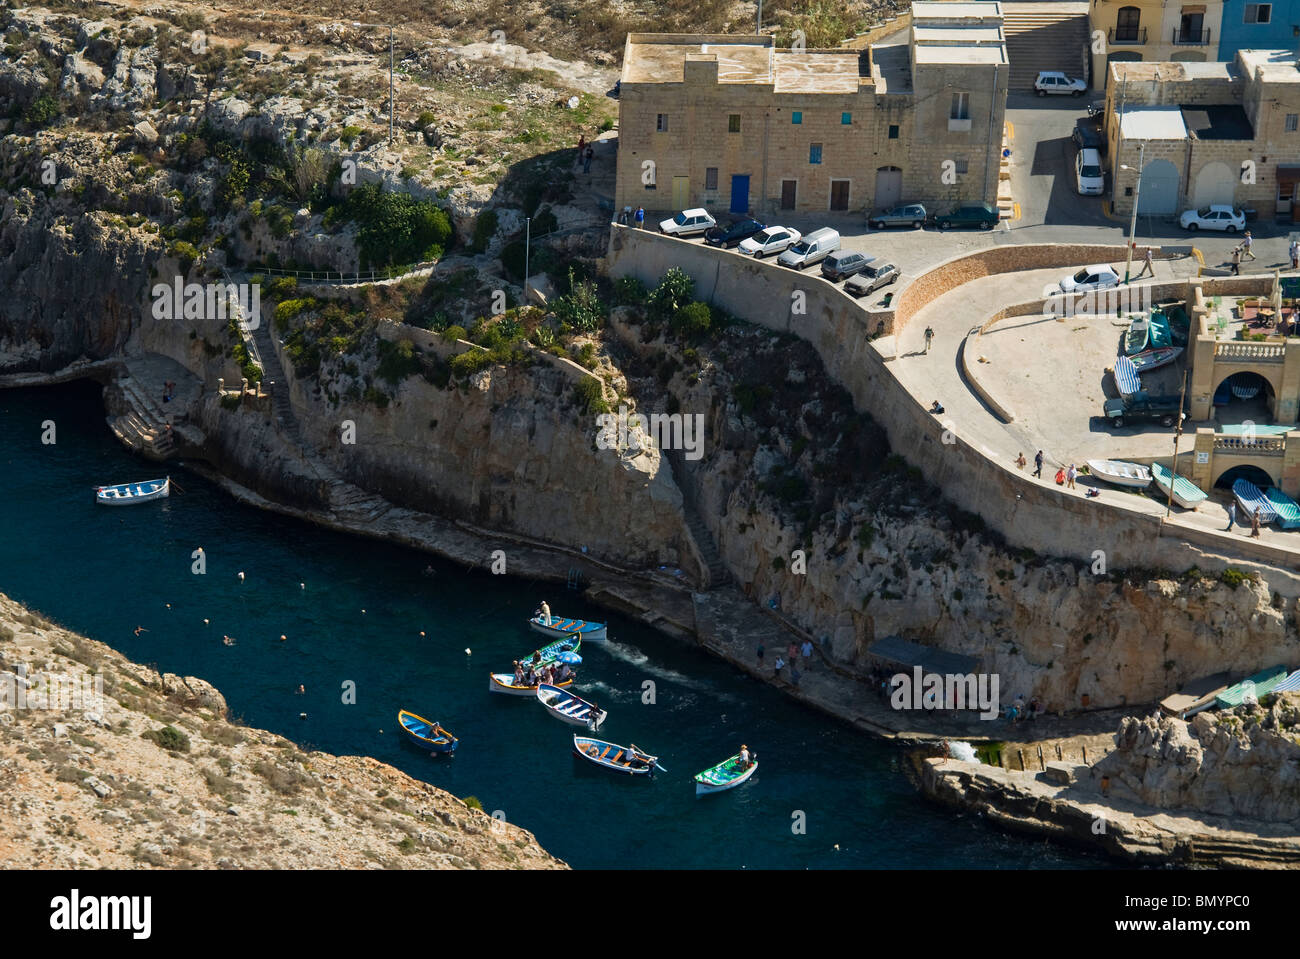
(1120, 473)
(127, 494)
(1185, 493)
(569, 707)
(727, 774)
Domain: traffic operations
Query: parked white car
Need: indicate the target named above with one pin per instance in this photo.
(688, 222)
(1090, 279)
(1088, 174)
(1054, 81)
(769, 242)
(1216, 216)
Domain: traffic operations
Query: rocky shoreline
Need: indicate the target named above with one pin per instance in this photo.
(152, 774)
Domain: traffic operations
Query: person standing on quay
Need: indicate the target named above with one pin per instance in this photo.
(780, 663)
(1236, 261)
(640, 217)
(1232, 516)
(1070, 474)
(1246, 242)
(1254, 523)
(1294, 250)
(1147, 264)
(1038, 464)
(807, 651)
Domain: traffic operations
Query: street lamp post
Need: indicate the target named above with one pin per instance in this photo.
(1132, 225)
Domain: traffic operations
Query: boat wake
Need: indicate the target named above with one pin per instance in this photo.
(634, 657)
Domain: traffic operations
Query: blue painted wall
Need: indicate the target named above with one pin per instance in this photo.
(1278, 34)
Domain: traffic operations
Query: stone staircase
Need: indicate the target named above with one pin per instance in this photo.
(704, 542)
(1044, 36)
(1260, 852)
(144, 426)
(345, 499)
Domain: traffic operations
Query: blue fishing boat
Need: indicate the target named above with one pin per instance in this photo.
(1288, 512)
(620, 759)
(1251, 499)
(548, 653)
(127, 494)
(430, 737)
(559, 627)
(569, 707)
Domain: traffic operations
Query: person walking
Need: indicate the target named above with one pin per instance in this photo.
(929, 336)
(1254, 523)
(1147, 265)
(582, 146)
(780, 664)
(586, 160)
(807, 651)
(1294, 250)
(1246, 242)
(1232, 516)
(640, 217)
(1070, 474)
(1038, 464)
(1236, 261)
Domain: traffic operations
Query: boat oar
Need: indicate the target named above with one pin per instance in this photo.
(653, 759)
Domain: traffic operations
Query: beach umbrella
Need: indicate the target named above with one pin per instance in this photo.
(569, 657)
(1277, 293)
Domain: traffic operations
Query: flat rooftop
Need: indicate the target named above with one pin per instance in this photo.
(892, 68)
(1276, 66)
(930, 10)
(661, 58)
(960, 54)
(1153, 123)
(1226, 122)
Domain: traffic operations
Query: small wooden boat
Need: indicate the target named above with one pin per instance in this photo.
(1251, 499)
(727, 774)
(1185, 493)
(1288, 512)
(1154, 359)
(570, 707)
(1135, 338)
(1120, 473)
(126, 494)
(505, 683)
(426, 735)
(621, 759)
(568, 628)
(547, 654)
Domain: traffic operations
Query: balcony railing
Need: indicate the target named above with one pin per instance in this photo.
(1251, 352)
(1191, 38)
(1124, 35)
(1259, 447)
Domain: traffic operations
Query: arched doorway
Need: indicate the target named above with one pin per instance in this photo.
(1252, 474)
(1158, 195)
(889, 186)
(1243, 399)
(1215, 183)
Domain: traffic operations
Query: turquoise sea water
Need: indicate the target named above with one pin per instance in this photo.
(104, 571)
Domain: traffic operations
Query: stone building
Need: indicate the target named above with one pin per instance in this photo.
(1206, 133)
(734, 124)
(1153, 31)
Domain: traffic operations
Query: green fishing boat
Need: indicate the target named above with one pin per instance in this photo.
(725, 775)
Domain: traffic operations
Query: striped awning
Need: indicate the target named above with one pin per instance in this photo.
(1126, 376)
(1290, 683)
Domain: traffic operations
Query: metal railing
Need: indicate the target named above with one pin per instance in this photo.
(1191, 38)
(337, 278)
(1122, 35)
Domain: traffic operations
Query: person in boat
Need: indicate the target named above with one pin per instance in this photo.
(744, 756)
(519, 674)
(546, 614)
(529, 675)
(565, 672)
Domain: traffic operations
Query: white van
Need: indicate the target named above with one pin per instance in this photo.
(810, 249)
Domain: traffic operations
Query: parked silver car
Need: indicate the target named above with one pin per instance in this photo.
(909, 214)
(872, 278)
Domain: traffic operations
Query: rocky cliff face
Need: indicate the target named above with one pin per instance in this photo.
(1243, 762)
(154, 775)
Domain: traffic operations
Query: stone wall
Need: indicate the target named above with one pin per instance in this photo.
(1029, 514)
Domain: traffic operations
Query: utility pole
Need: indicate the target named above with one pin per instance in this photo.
(758, 27)
(1132, 225)
(390, 86)
(1178, 432)
(528, 239)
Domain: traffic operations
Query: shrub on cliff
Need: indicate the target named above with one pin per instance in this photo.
(453, 333)
(466, 364)
(581, 308)
(397, 361)
(288, 310)
(673, 292)
(169, 738)
(396, 228)
(693, 320)
(591, 395)
(1232, 577)
(485, 227)
(629, 291)
(42, 111)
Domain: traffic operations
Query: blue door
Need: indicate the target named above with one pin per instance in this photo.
(740, 193)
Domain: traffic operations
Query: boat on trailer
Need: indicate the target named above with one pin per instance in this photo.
(427, 735)
(570, 707)
(128, 494)
(727, 774)
(1251, 499)
(620, 759)
(505, 683)
(1185, 493)
(561, 628)
(1120, 473)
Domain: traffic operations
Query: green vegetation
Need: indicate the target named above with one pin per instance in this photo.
(397, 361)
(473, 803)
(485, 227)
(591, 395)
(169, 738)
(672, 294)
(581, 309)
(693, 320)
(396, 229)
(1232, 577)
(629, 291)
(42, 111)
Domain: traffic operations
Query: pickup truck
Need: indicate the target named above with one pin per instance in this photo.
(1166, 410)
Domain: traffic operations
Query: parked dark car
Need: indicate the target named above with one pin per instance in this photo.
(842, 264)
(982, 216)
(732, 234)
(1140, 407)
(872, 278)
(1088, 136)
